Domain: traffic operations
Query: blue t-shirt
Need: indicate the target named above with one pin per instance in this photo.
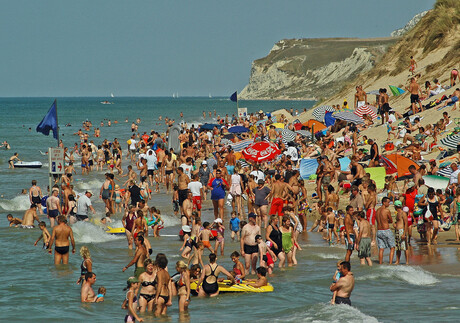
(218, 191)
(235, 224)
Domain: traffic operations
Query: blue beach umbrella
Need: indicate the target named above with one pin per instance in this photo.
(238, 129)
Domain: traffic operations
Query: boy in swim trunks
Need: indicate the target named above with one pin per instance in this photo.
(45, 235)
(204, 236)
(261, 278)
(330, 217)
(13, 221)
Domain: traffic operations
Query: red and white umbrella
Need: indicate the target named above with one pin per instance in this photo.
(366, 109)
(261, 151)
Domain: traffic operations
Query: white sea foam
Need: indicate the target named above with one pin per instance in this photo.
(86, 232)
(93, 184)
(329, 313)
(411, 275)
(18, 203)
(329, 256)
(170, 220)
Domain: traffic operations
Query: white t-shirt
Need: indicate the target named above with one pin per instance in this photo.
(257, 175)
(132, 146)
(292, 151)
(454, 177)
(187, 170)
(83, 205)
(151, 160)
(195, 188)
(209, 134)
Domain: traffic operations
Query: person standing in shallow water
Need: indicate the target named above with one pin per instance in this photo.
(61, 235)
(345, 285)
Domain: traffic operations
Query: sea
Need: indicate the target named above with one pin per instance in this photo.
(35, 290)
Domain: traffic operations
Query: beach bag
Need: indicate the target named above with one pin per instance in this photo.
(428, 215)
(389, 146)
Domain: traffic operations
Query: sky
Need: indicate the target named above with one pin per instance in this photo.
(157, 48)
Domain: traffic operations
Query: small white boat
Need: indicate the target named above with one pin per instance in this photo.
(106, 102)
(24, 164)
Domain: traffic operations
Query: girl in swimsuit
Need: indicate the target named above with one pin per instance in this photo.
(87, 264)
(183, 286)
(106, 193)
(288, 240)
(163, 294)
(130, 302)
(220, 236)
(209, 278)
(238, 268)
(148, 286)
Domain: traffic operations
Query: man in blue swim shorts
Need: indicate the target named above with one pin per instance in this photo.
(385, 238)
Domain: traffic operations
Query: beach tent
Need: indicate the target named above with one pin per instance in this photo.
(238, 129)
(314, 125)
(396, 90)
(307, 167)
(378, 175)
(319, 112)
(366, 109)
(348, 117)
(329, 119)
(398, 164)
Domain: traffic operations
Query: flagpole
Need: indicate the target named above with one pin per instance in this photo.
(237, 101)
(57, 128)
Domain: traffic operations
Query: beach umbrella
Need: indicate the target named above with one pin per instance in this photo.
(287, 135)
(307, 167)
(348, 117)
(396, 90)
(238, 129)
(278, 125)
(261, 151)
(315, 125)
(304, 133)
(451, 141)
(209, 126)
(240, 145)
(226, 142)
(319, 112)
(366, 109)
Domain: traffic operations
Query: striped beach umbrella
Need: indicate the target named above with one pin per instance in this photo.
(348, 117)
(366, 109)
(304, 133)
(287, 135)
(451, 141)
(240, 145)
(225, 142)
(319, 112)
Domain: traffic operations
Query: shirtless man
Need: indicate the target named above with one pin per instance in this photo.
(360, 97)
(417, 176)
(350, 237)
(344, 286)
(278, 196)
(453, 99)
(35, 194)
(182, 182)
(87, 293)
(401, 230)
(384, 107)
(363, 242)
(272, 134)
(230, 160)
(170, 165)
(188, 209)
(54, 206)
(139, 257)
(385, 238)
(29, 217)
(61, 234)
(248, 245)
(369, 204)
(415, 90)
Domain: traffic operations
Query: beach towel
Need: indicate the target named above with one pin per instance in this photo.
(378, 175)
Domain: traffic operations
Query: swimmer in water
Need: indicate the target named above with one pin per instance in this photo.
(12, 159)
(13, 221)
(45, 235)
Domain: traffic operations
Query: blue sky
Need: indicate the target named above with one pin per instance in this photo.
(155, 48)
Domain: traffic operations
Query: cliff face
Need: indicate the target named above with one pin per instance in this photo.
(312, 68)
(411, 24)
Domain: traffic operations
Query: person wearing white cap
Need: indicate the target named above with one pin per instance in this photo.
(220, 236)
(83, 204)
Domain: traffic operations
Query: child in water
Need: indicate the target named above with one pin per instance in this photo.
(261, 278)
(220, 236)
(196, 258)
(204, 236)
(335, 279)
(100, 294)
(238, 268)
(234, 226)
(45, 235)
(175, 199)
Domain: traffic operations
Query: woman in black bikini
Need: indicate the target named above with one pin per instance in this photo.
(209, 278)
(86, 265)
(163, 294)
(148, 286)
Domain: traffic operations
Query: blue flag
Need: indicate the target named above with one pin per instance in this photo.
(234, 97)
(49, 122)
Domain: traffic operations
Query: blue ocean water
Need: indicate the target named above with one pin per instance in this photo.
(37, 291)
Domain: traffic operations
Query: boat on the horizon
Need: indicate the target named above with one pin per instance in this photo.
(111, 95)
(106, 102)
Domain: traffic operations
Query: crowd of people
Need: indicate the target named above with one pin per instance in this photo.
(268, 201)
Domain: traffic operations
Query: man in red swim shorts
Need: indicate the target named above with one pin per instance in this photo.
(278, 195)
